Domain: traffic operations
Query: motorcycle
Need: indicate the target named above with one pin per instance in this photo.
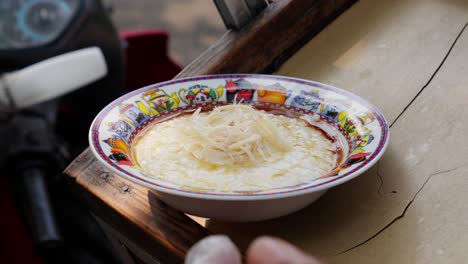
(61, 61)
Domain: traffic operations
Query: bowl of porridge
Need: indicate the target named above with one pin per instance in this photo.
(239, 147)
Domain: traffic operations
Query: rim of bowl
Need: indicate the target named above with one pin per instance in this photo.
(281, 192)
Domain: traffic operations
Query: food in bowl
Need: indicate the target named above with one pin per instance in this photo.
(236, 148)
(352, 132)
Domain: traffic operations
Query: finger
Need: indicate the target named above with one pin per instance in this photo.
(268, 250)
(213, 250)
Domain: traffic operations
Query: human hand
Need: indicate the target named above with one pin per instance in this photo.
(263, 250)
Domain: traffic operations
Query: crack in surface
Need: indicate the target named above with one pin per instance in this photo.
(432, 76)
(404, 210)
(380, 189)
(446, 171)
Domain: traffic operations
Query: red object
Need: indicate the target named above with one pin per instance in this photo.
(147, 61)
(16, 245)
(244, 94)
(231, 86)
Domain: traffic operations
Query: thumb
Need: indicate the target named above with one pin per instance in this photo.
(268, 250)
(213, 250)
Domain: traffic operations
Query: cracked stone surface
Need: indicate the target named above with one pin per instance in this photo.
(430, 231)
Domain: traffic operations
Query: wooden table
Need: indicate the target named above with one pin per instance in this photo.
(409, 58)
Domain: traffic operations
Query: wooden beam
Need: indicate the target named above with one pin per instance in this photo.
(268, 41)
(134, 211)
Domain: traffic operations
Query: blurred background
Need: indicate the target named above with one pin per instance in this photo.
(193, 25)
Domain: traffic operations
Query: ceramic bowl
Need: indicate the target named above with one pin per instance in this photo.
(361, 127)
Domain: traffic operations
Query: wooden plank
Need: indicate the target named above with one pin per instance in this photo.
(133, 254)
(135, 211)
(161, 231)
(263, 45)
(113, 237)
(385, 51)
(429, 138)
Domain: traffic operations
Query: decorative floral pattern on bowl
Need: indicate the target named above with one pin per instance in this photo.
(359, 123)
